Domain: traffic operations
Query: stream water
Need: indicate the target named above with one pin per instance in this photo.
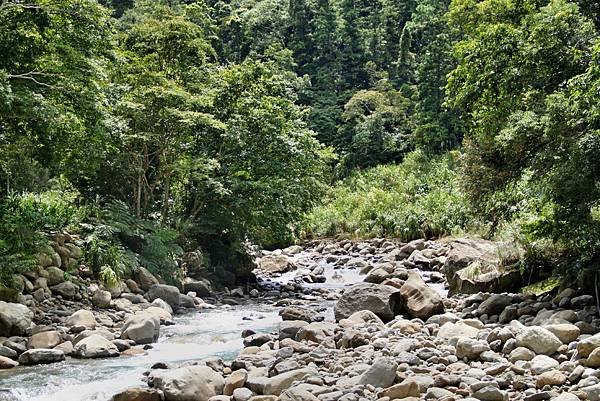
(208, 333)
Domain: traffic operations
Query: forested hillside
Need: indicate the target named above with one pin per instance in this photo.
(157, 127)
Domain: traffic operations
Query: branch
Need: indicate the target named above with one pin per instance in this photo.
(31, 77)
(6, 4)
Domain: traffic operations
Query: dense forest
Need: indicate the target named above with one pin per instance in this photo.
(156, 127)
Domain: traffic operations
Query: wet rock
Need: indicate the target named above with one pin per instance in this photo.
(202, 288)
(273, 264)
(7, 363)
(143, 328)
(384, 301)
(297, 313)
(289, 328)
(95, 346)
(41, 356)
(167, 293)
(420, 300)
(190, 383)
(185, 301)
(138, 394)
(15, 319)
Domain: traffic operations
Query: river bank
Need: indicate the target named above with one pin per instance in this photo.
(313, 333)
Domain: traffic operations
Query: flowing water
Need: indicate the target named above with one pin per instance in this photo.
(199, 335)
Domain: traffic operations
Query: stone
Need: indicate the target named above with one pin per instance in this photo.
(185, 301)
(9, 352)
(297, 394)
(273, 264)
(82, 319)
(494, 305)
(45, 339)
(489, 393)
(316, 332)
(297, 313)
(189, 383)
(101, 299)
(95, 346)
(7, 363)
(408, 388)
(242, 394)
(138, 394)
(41, 356)
(66, 290)
(587, 345)
(159, 303)
(143, 328)
(384, 301)
(542, 363)
(168, 293)
(418, 299)
(281, 382)
(593, 360)
(292, 250)
(66, 347)
(470, 348)
(550, 378)
(144, 278)
(289, 328)
(538, 339)
(237, 379)
(377, 276)
(521, 354)
(381, 374)
(565, 332)
(202, 288)
(566, 397)
(455, 331)
(15, 319)
(55, 275)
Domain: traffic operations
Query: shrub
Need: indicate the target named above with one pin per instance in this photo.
(418, 198)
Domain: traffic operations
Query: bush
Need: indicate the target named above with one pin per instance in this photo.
(24, 218)
(418, 198)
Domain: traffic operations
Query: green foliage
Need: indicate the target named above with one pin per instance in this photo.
(24, 219)
(419, 198)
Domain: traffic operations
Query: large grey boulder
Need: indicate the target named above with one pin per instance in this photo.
(537, 339)
(474, 265)
(418, 299)
(381, 374)
(45, 339)
(95, 346)
(41, 356)
(143, 328)
(144, 278)
(66, 290)
(382, 300)
(15, 319)
(82, 319)
(190, 383)
(275, 264)
(281, 382)
(202, 288)
(167, 293)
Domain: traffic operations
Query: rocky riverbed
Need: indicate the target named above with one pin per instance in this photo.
(351, 321)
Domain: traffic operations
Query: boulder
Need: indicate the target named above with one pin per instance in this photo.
(237, 379)
(297, 394)
(66, 290)
(138, 394)
(159, 313)
(7, 363)
(565, 332)
(55, 275)
(202, 288)
(190, 383)
(167, 293)
(273, 264)
(538, 339)
(542, 363)
(45, 339)
(101, 299)
(289, 328)
(95, 346)
(143, 328)
(281, 382)
(15, 319)
(41, 356)
(474, 265)
(316, 332)
(418, 299)
(494, 305)
(144, 278)
(297, 313)
(381, 374)
(408, 388)
(455, 331)
(82, 319)
(587, 345)
(470, 348)
(382, 300)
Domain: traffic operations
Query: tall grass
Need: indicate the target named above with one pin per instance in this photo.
(419, 198)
